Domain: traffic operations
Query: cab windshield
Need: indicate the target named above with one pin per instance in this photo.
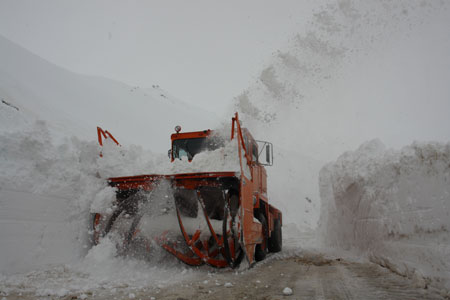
(191, 147)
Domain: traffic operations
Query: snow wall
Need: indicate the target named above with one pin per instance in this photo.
(391, 206)
(45, 193)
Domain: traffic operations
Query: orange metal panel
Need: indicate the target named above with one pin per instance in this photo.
(190, 135)
(252, 231)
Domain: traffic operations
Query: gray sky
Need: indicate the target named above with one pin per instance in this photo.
(203, 52)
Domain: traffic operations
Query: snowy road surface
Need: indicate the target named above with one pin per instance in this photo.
(309, 277)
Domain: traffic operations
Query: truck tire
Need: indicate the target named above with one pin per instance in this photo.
(276, 240)
(261, 249)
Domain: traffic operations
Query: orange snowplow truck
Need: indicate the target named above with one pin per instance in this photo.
(233, 207)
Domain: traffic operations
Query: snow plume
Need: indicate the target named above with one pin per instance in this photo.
(360, 70)
(391, 206)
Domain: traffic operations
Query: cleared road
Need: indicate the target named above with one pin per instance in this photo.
(315, 278)
(309, 277)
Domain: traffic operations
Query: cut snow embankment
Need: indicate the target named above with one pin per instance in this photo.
(45, 193)
(391, 206)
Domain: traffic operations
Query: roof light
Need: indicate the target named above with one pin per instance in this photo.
(177, 128)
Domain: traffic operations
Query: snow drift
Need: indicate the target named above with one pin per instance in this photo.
(392, 207)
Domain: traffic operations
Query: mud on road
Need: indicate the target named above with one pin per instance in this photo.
(309, 277)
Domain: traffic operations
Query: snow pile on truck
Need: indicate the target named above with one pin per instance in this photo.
(118, 161)
(393, 207)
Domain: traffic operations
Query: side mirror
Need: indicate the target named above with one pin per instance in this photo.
(268, 147)
(169, 153)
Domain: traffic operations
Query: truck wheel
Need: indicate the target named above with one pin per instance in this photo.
(276, 240)
(261, 249)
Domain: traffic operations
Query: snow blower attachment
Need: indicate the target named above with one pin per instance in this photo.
(223, 216)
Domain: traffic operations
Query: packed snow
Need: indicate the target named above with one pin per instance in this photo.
(133, 160)
(287, 291)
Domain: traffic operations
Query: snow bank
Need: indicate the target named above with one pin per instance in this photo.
(392, 206)
(45, 194)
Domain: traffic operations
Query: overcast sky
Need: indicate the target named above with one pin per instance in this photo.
(203, 52)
